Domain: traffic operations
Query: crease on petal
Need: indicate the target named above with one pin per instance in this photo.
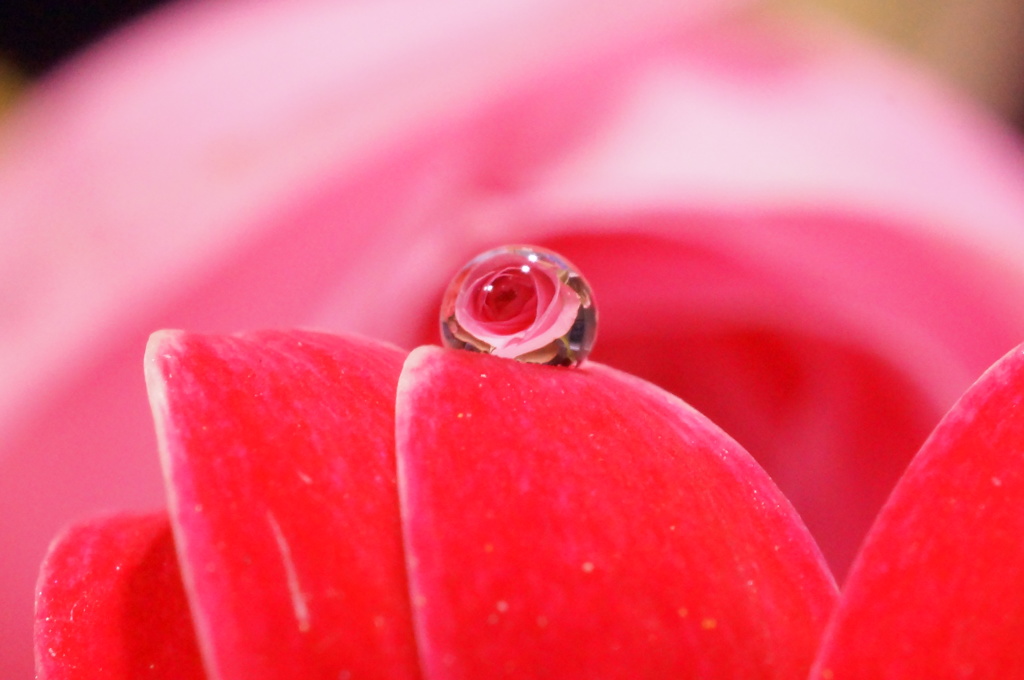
(278, 449)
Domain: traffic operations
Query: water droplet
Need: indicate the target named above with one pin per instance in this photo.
(520, 302)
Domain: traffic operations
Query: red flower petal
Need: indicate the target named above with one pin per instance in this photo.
(582, 523)
(111, 605)
(936, 590)
(279, 452)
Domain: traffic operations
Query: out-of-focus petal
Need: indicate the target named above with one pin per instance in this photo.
(808, 366)
(279, 453)
(582, 523)
(831, 251)
(187, 137)
(228, 165)
(111, 605)
(936, 589)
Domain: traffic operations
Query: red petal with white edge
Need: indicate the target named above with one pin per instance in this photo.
(111, 605)
(583, 523)
(279, 453)
(936, 590)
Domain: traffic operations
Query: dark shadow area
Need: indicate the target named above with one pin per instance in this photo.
(36, 35)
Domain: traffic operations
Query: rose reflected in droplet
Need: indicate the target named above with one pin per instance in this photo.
(520, 302)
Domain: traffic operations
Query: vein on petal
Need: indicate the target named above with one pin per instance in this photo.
(299, 604)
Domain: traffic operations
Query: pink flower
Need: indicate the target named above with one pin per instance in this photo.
(520, 302)
(504, 518)
(496, 517)
(806, 240)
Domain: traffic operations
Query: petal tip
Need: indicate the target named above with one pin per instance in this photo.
(420, 358)
(162, 344)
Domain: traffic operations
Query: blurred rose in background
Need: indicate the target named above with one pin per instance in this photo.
(807, 234)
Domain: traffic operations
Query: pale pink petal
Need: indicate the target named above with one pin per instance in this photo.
(558, 307)
(548, 313)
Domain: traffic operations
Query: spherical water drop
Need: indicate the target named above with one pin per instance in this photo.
(521, 302)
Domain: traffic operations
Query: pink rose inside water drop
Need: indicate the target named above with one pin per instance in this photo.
(516, 302)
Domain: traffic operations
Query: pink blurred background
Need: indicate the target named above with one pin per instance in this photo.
(812, 234)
